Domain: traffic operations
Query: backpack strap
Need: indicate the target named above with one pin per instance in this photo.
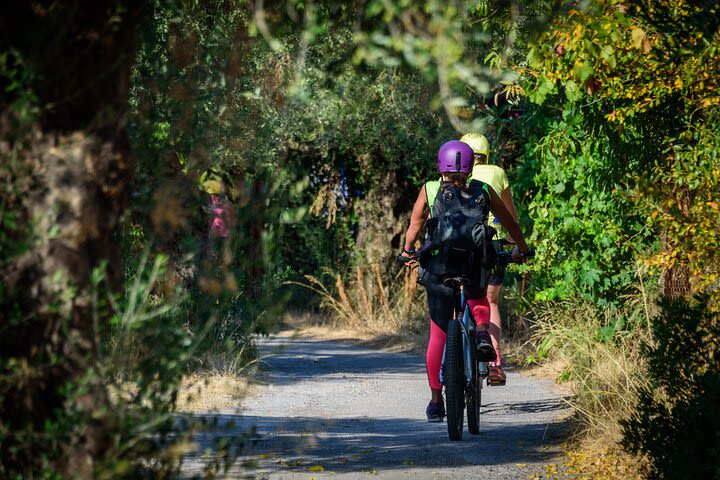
(431, 190)
(433, 187)
(477, 183)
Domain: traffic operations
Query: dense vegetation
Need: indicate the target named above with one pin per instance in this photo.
(319, 123)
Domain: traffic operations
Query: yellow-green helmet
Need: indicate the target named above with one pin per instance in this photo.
(477, 142)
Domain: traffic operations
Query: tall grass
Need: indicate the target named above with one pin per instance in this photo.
(369, 299)
(155, 366)
(600, 352)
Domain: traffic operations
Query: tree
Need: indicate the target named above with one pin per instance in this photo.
(67, 166)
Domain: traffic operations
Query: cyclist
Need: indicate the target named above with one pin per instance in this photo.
(496, 178)
(222, 218)
(440, 297)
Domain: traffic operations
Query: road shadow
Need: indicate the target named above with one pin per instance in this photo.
(364, 444)
(303, 359)
(538, 406)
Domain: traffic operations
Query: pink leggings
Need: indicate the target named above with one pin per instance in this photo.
(480, 308)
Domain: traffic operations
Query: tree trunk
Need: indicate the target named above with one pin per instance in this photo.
(384, 216)
(71, 175)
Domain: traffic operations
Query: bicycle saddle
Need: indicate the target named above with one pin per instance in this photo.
(456, 281)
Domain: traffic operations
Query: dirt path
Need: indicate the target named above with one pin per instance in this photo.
(360, 413)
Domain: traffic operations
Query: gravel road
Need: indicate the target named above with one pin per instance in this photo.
(356, 412)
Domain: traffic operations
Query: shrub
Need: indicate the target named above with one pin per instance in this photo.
(676, 423)
(599, 350)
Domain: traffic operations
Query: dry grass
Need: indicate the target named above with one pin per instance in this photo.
(368, 302)
(605, 371)
(211, 391)
(219, 382)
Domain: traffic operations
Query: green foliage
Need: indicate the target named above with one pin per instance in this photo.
(143, 357)
(285, 125)
(584, 225)
(680, 197)
(676, 423)
(447, 42)
(16, 78)
(621, 148)
(304, 117)
(615, 101)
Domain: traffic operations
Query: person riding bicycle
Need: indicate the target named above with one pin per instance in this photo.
(455, 160)
(497, 179)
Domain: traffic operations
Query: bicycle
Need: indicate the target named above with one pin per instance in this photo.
(461, 372)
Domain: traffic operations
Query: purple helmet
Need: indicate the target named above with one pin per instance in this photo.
(455, 156)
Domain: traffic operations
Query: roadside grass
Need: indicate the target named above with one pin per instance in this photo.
(221, 379)
(598, 354)
(372, 302)
(600, 351)
(205, 392)
(218, 379)
(604, 366)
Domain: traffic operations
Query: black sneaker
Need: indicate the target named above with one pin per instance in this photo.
(485, 350)
(435, 412)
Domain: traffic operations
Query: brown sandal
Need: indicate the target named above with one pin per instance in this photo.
(496, 376)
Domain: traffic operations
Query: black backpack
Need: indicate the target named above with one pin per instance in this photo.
(458, 239)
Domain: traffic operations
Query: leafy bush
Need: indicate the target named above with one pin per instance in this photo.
(676, 422)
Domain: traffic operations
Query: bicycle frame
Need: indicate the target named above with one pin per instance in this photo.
(467, 327)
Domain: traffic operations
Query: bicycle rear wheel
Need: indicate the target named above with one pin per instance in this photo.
(472, 396)
(454, 380)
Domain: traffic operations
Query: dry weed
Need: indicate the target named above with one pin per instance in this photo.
(371, 301)
(604, 367)
(210, 391)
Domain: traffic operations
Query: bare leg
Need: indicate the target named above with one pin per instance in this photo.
(436, 394)
(493, 294)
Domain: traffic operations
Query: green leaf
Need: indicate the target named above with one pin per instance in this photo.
(584, 71)
(590, 276)
(572, 91)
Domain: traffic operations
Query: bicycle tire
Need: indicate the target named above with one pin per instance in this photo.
(474, 392)
(454, 381)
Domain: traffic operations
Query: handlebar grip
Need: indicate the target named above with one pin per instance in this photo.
(403, 259)
(506, 257)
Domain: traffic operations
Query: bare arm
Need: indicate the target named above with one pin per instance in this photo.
(507, 199)
(417, 220)
(506, 220)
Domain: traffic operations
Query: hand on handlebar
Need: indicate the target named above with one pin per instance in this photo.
(409, 258)
(521, 257)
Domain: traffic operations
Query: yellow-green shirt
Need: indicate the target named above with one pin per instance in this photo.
(498, 181)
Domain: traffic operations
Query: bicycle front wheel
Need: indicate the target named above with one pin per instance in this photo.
(454, 380)
(474, 390)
